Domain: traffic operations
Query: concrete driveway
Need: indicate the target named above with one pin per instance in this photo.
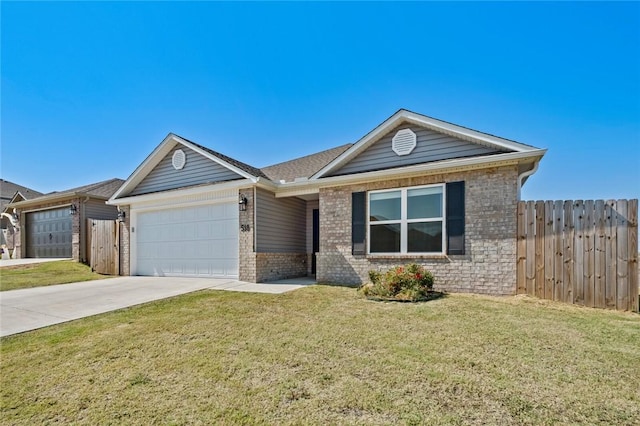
(32, 308)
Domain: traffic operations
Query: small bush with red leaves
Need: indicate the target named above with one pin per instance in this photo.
(410, 282)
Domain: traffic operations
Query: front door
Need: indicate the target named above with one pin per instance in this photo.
(316, 239)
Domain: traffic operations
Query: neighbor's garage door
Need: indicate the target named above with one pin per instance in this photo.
(48, 233)
(189, 241)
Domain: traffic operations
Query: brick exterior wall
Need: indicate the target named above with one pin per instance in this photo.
(280, 266)
(246, 246)
(125, 242)
(489, 263)
(259, 267)
(76, 238)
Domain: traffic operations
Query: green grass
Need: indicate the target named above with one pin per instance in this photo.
(323, 355)
(43, 274)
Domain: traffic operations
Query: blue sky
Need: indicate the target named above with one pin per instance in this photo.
(90, 89)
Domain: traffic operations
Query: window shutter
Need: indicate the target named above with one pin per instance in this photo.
(358, 222)
(455, 217)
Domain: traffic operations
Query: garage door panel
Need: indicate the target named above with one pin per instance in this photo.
(190, 241)
(48, 233)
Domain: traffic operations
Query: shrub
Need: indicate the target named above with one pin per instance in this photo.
(409, 282)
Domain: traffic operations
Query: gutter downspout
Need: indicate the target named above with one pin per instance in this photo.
(526, 174)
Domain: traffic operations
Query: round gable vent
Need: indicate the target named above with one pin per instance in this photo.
(403, 142)
(179, 159)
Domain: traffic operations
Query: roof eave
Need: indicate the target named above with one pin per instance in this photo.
(445, 166)
(53, 198)
(179, 192)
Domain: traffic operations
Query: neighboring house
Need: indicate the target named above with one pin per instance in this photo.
(11, 192)
(54, 224)
(414, 189)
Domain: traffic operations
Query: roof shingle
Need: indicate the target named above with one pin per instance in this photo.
(303, 167)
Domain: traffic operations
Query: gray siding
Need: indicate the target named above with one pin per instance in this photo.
(280, 224)
(197, 170)
(431, 146)
(97, 209)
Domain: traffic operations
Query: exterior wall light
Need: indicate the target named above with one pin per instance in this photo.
(73, 209)
(121, 216)
(242, 203)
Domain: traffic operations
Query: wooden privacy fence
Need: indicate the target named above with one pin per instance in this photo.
(103, 244)
(581, 252)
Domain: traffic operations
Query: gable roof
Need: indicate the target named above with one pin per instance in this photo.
(167, 144)
(406, 116)
(303, 167)
(9, 191)
(101, 190)
(253, 171)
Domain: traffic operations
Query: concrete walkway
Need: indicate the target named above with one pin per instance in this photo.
(17, 262)
(32, 308)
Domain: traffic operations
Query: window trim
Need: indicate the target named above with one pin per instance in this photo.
(404, 242)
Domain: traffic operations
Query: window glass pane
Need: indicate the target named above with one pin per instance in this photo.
(424, 237)
(384, 206)
(424, 203)
(385, 238)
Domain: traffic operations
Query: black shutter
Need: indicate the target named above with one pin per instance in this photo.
(358, 222)
(455, 217)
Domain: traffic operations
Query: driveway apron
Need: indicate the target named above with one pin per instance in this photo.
(32, 308)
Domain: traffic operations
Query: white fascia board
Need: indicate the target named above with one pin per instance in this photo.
(217, 160)
(445, 166)
(147, 165)
(180, 193)
(421, 120)
(267, 184)
(470, 134)
(47, 199)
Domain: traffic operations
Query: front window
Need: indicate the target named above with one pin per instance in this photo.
(408, 220)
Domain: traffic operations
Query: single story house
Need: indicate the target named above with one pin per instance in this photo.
(54, 224)
(9, 193)
(414, 189)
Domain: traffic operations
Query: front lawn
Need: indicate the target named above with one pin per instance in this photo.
(323, 355)
(43, 274)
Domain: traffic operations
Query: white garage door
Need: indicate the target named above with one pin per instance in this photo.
(188, 241)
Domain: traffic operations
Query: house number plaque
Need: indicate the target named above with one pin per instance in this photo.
(245, 227)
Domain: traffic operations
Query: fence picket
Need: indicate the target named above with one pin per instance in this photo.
(539, 250)
(589, 256)
(558, 290)
(599, 255)
(611, 255)
(521, 250)
(567, 252)
(622, 263)
(549, 239)
(531, 250)
(632, 215)
(578, 289)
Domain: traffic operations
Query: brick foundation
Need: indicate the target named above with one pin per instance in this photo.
(279, 266)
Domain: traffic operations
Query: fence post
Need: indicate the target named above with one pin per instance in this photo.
(632, 214)
(521, 250)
